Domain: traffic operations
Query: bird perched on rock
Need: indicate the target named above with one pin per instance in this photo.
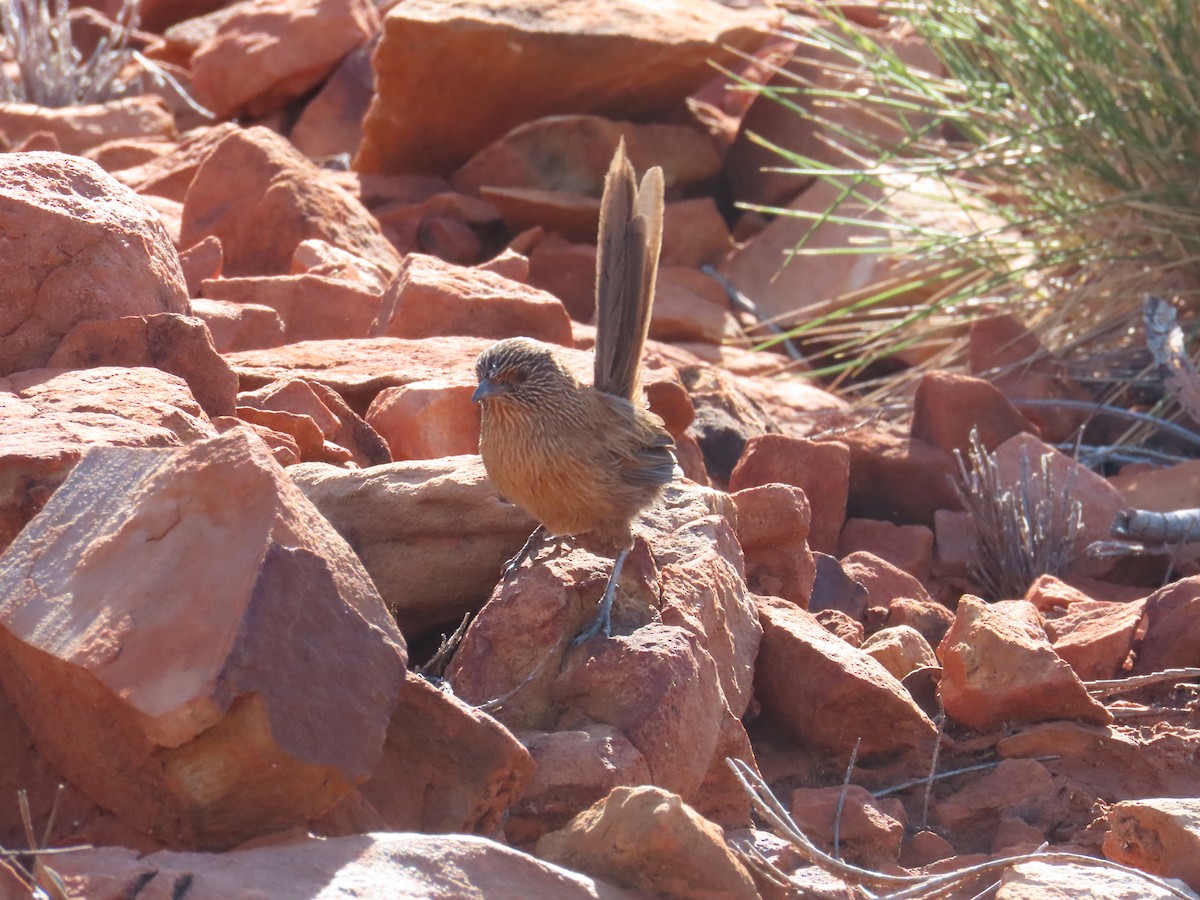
(585, 459)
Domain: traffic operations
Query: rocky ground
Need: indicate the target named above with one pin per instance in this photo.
(240, 505)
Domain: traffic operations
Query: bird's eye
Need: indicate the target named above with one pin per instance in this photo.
(522, 373)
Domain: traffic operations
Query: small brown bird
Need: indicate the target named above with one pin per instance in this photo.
(585, 459)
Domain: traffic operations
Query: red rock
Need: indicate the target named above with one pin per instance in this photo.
(1036, 880)
(317, 257)
(295, 396)
(124, 153)
(703, 589)
(1161, 489)
(900, 649)
(924, 848)
(999, 668)
(689, 306)
(948, 406)
(568, 271)
(885, 583)
(158, 15)
(928, 617)
(870, 830)
(331, 123)
(772, 528)
(1159, 835)
(266, 53)
(658, 684)
(50, 417)
(239, 326)
(1049, 593)
(311, 307)
(170, 175)
(446, 767)
(694, 234)
(170, 214)
(574, 216)
(907, 547)
(78, 129)
(1095, 636)
(836, 590)
(405, 518)
(821, 469)
(445, 223)
(574, 770)
(39, 142)
(284, 448)
(1172, 637)
(1006, 353)
(509, 264)
(201, 261)
(578, 60)
(1016, 787)
(180, 345)
(426, 420)
(90, 249)
(841, 625)
(826, 694)
(569, 153)
(164, 718)
(896, 478)
(262, 198)
(302, 429)
(375, 865)
(430, 297)
(353, 433)
(650, 841)
(358, 369)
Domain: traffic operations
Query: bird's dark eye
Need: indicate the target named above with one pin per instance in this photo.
(522, 373)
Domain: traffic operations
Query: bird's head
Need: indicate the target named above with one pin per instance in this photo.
(519, 371)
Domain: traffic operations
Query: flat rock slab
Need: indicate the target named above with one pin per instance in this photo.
(453, 77)
(194, 646)
(369, 865)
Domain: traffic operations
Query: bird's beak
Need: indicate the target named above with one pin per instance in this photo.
(485, 389)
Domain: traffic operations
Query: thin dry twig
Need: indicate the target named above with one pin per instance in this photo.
(1110, 688)
(841, 801)
(440, 659)
(1164, 338)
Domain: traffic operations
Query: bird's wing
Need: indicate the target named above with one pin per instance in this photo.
(627, 252)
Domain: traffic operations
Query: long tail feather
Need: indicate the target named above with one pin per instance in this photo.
(628, 247)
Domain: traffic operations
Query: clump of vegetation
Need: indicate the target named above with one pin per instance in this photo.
(35, 35)
(1021, 529)
(1074, 126)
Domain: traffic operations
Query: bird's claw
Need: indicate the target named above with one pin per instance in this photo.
(529, 550)
(602, 622)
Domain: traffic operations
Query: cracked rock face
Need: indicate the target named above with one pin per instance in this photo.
(76, 245)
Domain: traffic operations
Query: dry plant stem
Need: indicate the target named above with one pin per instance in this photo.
(931, 777)
(933, 764)
(910, 887)
(437, 663)
(1116, 686)
(841, 801)
(1177, 527)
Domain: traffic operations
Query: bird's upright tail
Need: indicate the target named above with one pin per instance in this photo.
(628, 246)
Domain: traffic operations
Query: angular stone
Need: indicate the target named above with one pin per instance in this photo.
(1095, 636)
(201, 261)
(820, 468)
(446, 767)
(407, 519)
(81, 128)
(316, 257)
(772, 529)
(579, 60)
(1016, 788)
(870, 830)
(371, 865)
(257, 194)
(649, 840)
(826, 694)
(897, 478)
(331, 124)
(900, 649)
(183, 695)
(948, 406)
(90, 249)
(180, 345)
(311, 307)
(1172, 624)
(170, 174)
(908, 548)
(1160, 835)
(928, 617)
(427, 419)
(49, 417)
(239, 326)
(266, 53)
(1052, 880)
(430, 297)
(884, 582)
(999, 668)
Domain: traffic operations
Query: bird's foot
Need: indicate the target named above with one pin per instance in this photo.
(603, 620)
(529, 550)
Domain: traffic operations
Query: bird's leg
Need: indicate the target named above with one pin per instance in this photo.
(529, 550)
(603, 620)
